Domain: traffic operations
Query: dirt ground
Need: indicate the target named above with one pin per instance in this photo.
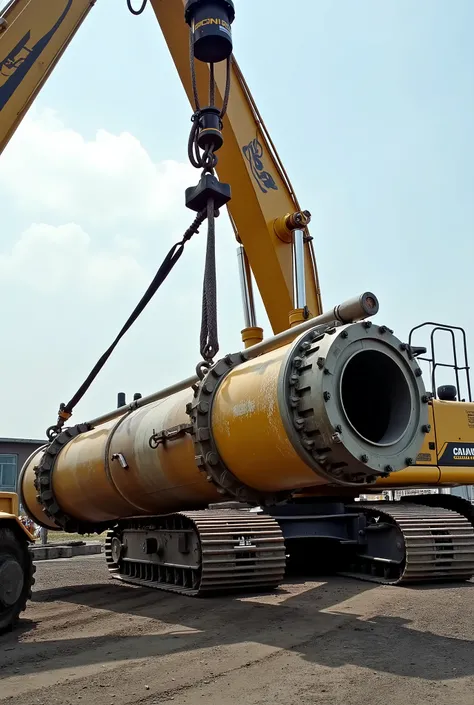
(86, 638)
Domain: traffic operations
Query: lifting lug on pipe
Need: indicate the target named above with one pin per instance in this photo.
(169, 434)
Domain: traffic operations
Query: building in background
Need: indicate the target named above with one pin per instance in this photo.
(13, 453)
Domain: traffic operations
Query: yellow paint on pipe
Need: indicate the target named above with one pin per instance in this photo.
(91, 484)
(248, 429)
(91, 487)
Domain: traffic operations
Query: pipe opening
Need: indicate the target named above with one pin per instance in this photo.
(376, 397)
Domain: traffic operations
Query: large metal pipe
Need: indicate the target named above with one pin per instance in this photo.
(336, 407)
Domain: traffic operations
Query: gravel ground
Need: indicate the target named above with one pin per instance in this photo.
(85, 638)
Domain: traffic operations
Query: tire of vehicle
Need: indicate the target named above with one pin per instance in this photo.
(16, 576)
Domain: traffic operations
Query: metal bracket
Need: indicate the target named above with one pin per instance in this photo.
(169, 434)
(121, 458)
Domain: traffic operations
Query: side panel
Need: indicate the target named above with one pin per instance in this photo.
(447, 455)
(454, 424)
(428, 455)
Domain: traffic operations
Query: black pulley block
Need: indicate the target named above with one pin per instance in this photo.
(198, 196)
(210, 22)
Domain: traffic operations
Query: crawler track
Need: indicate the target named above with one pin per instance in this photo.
(438, 545)
(233, 550)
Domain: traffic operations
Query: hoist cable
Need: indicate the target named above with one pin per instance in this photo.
(164, 270)
(209, 335)
(140, 9)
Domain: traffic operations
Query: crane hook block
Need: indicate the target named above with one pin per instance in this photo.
(210, 22)
(208, 187)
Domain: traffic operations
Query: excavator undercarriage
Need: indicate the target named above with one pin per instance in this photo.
(424, 539)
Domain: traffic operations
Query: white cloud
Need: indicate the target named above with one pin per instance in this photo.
(104, 212)
(49, 259)
(85, 225)
(50, 168)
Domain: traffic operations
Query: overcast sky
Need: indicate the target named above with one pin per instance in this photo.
(378, 144)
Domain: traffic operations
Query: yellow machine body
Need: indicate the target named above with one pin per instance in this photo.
(446, 457)
(10, 512)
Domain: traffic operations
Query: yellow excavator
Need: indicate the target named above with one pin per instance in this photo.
(261, 456)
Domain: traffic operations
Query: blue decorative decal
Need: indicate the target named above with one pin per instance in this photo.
(15, 66)
(253, 153)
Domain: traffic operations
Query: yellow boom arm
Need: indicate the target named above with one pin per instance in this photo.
(33, 36)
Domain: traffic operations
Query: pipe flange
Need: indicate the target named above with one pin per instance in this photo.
(311, 397)
(207, 455)
(44, 484)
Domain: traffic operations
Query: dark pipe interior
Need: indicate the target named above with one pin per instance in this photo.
(376, 397)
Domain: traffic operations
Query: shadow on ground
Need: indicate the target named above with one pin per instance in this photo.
(312, 623)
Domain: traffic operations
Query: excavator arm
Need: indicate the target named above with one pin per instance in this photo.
(33, 37)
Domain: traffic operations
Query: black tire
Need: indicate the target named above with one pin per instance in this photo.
(14, 550)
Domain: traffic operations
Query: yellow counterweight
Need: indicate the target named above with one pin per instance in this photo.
(338, 406)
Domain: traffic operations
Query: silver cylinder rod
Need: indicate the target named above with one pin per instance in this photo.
(156, 396)
(246, 289)
(349, 311)
(299, 284)
(355, 309)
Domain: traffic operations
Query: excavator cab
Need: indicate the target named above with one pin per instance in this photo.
(450, 441)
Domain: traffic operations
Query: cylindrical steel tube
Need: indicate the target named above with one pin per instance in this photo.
(246, 288)
(299, 284)
(91, 485)
(333, 407)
